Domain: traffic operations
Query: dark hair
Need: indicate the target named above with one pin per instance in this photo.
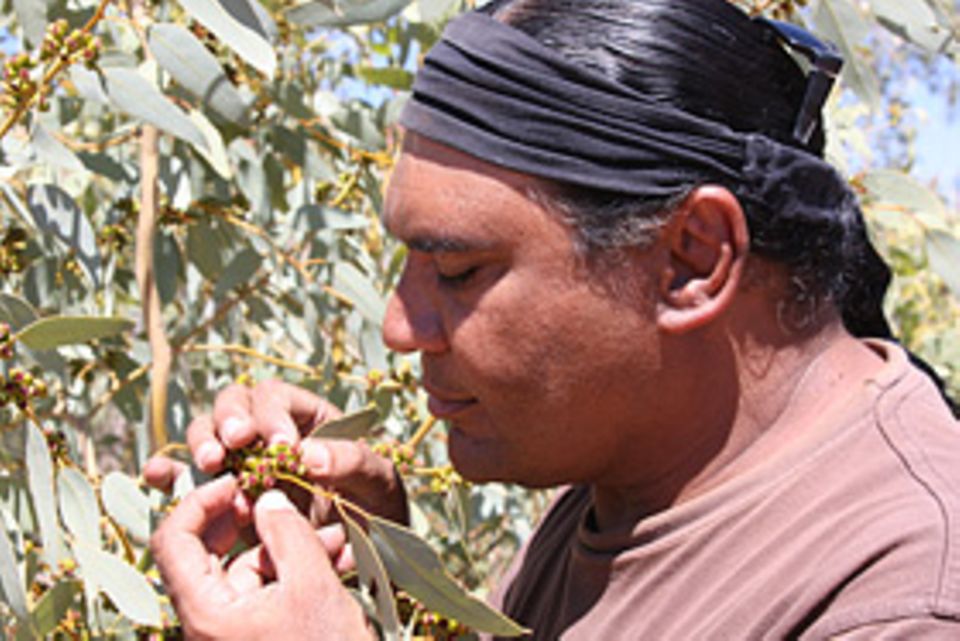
(710, 59)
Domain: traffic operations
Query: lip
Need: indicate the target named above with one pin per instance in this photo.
(446, 405)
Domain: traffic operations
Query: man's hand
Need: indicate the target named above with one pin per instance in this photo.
(285, 588)
(275, 411)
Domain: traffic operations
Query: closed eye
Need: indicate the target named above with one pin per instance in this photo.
(459, 279)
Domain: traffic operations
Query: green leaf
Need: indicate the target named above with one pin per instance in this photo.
(373, 577)
(18, 313)
(238, 26)
(912, 20)
(32, 16)
(52, 606)
(239, 271)
(196, 69)
(134, 95)
(167, 265)
(53, 152)
(315, 14)
(122, 583)
(887, 187)
(78, 506)
(943, 252)
(351, 426)
(56, 331)
(206, 248)
(54, 211)
(416, 568)
(388, 76)
(11, 580)
(127, 505)
(841, 23)
(356, 285)
(40, 482)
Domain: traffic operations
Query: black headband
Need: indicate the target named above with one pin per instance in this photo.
(495, 93)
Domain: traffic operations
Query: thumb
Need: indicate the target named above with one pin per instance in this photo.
(296, 551)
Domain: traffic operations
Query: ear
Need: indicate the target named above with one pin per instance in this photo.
(707, 240)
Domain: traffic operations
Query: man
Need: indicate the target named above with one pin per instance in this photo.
(629, 273)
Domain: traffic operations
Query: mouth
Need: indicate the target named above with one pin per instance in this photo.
(445, 405)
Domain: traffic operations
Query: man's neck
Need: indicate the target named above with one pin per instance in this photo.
(733, 426)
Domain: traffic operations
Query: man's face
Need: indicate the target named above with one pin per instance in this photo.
(538, 368)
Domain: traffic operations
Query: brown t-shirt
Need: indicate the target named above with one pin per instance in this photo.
(853, 536)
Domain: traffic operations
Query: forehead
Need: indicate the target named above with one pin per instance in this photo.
(439, 193)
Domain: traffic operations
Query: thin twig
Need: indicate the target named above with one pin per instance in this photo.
(252, 353)
(421, 432)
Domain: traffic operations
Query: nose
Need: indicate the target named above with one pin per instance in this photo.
(412, 321)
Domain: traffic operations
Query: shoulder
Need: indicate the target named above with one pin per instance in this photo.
(899, 503)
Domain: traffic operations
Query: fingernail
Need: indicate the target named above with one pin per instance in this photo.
(274, 500)
(315, 456)
(208, 455)
(233, 429)
(279, 437)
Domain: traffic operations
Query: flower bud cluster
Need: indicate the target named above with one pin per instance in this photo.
(7, 342)
(403, 456)
(258, 466)
(115, 237)
(444, 478)
(69, 46)
(19, 387)
(19, 79)
(786, 9)
(22, 73)
(13, 250)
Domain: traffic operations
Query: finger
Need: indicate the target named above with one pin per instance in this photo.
(295, 549)
(355, 470)
(333, 538)
(345, 561)
(161, 472)
(205, 447)
(250, 571)
(283, 412)
(232, 416)
(178, 547)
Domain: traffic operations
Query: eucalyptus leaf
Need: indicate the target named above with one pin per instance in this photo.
(18, 313)
(134, 95)
(196, 69)
(78, 506)
(32, 15)
(53, 152)
(167, 265)
(49, 611)
(346, 13)
(373, 577)
(238, 26)
(127, 505)
(840, 22)
(351, 426)
(350, 281)
(416, 568)
(913, 20)
(394, 77)
(896, 189)
(126, 588)
(55, 211)
(943, 251)
(11, 579)
(88, 84)
(40, 482)
(239, 271)
(56, 331)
